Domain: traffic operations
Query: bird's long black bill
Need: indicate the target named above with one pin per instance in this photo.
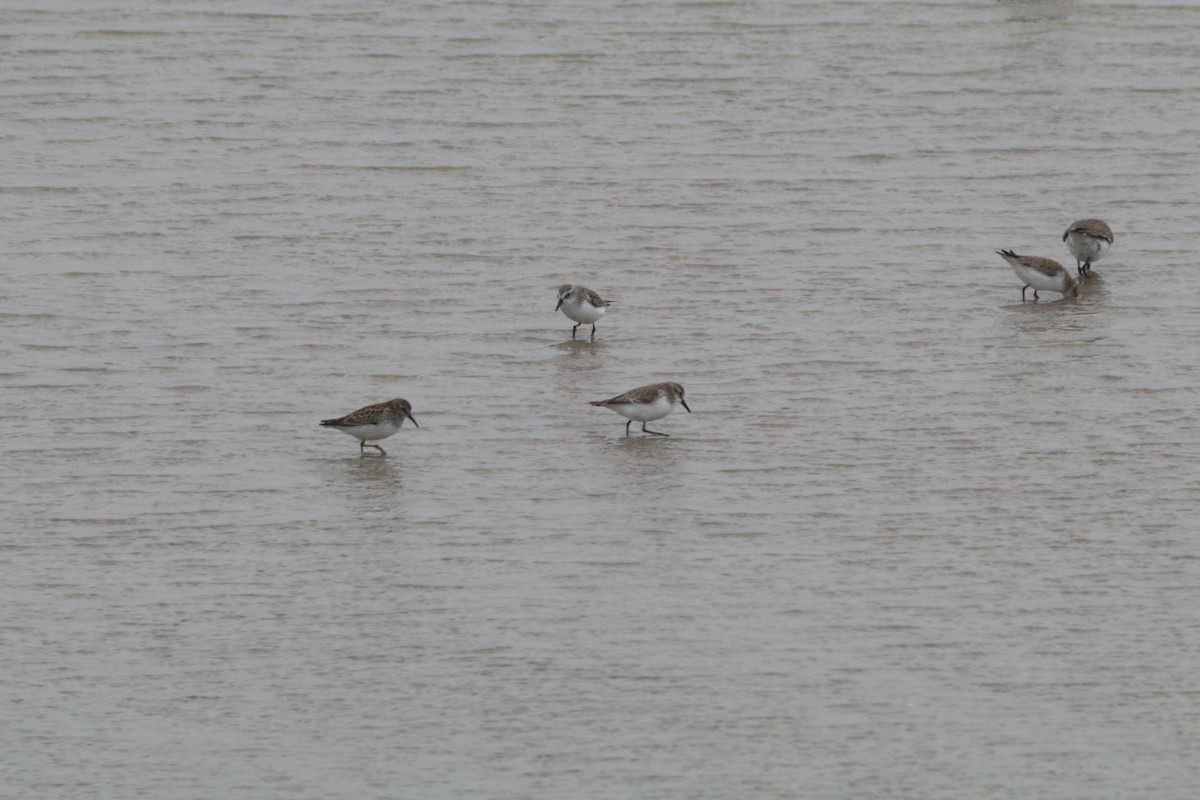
(557, 307)
(685, 406)
(414, 420)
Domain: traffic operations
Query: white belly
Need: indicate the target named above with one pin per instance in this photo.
(369, 433)
(1086, 248)
(645, 412)
(1040, 280)
(583, 313)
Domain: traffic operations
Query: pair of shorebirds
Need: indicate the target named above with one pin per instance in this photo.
(644, 404)
(374, 423)
(1088, 240)
(581, 305)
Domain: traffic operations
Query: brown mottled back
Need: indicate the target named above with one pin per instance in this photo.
(397, 409)
(1046, 266)
(645, 394)
(1092, 227)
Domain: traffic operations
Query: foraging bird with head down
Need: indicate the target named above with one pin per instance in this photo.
(1088, 240)
(1040, 273)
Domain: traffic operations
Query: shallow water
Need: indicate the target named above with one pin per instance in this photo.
(917, 539)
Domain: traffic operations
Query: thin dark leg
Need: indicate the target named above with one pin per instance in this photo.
(1035, 297)
(377, 447)
(577, 324)
(1023, 288)
(653, 433)
(1087, 268)
(593, 333)
(627, 424)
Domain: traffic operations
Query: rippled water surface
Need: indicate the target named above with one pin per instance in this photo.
(917, 539)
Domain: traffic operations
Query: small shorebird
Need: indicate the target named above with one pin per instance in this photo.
(1040, 273)
(581, 305)
(1088, 240)
(374, 422)
(646, 403)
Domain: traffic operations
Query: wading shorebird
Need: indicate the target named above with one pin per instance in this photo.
(373, 423)
(646, 403)
(581, 305)
(1088, 240)
(1040, 273)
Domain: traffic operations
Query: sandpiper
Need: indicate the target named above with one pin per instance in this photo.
(646, 403)
(1088, 240)
(373, 423)
(581, 305)
(1040, 273)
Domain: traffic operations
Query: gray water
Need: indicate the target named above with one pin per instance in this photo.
(917, 539)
